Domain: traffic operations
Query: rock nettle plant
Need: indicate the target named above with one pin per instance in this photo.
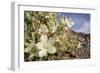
(47, 36)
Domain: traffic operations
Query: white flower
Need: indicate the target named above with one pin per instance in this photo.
(43, 53)
(43, 38)
(43, 29)
(51, 50)
(47, 16)
(65, 28)
(51, 40)
(45, 46)
(40, 45)
(63, 21)
(27, 50)
(68, 22)
(53, 27)
(28, 15)
(28, 47)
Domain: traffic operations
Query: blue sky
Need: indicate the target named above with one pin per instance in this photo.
(81, 21)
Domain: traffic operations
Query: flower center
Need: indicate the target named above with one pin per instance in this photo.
(46, 45)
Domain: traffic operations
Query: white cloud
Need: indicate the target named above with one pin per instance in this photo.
(85, 28)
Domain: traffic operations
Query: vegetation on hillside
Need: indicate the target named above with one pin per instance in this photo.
(47, 36)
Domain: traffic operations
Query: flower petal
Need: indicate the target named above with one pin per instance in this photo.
(27, 50)
(51, 50)
(43, 38)
(43, 53)
(53, 28)
(51, 40)
(40, 45)
(67, 21)
(65, 28)
(28, 15)
(63, 21)
(43, 28)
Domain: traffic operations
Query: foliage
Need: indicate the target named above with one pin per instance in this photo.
(47, 36)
